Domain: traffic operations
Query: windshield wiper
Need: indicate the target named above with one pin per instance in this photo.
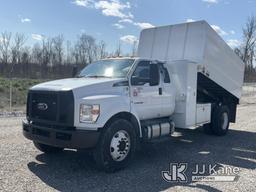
(79, 76)
(97, 76)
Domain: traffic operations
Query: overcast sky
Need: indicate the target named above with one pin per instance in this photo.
(120, 20)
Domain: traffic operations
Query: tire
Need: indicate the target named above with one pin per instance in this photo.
(116, 146)
(47, 148)
(220, 121)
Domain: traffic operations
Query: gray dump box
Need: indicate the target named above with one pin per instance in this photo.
(199, 43)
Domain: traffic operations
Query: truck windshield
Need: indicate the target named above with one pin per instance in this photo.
(113, 68)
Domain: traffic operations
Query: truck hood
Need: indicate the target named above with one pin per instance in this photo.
(73, 83)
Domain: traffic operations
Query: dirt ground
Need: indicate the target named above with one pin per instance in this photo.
(23, 168)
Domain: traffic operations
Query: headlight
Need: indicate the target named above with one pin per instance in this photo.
(89, 113)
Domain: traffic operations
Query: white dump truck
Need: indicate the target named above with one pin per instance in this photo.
(185, 76)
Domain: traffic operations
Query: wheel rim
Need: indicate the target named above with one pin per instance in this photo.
(120, 145)
(224, 120)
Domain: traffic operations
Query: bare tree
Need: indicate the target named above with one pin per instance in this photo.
(25, 60)
(69, 50)
(57, 43)
(26, 55)
(85, 48)
(37, 54)
(47, 55)
(76, 54)
(248, 49)
(118, 50)
(47, 51)
(42, 57)
(5, 41)
(102, 50)
(19, 41)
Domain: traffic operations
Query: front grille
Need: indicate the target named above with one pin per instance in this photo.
(48, 103)
(54, 107)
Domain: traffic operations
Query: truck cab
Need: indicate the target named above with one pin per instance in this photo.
(74, 113)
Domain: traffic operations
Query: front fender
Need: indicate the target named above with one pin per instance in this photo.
(109, 106)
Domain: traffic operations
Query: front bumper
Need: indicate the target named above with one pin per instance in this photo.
(74, 139)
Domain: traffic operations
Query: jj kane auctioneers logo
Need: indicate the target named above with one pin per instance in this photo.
(178, 173)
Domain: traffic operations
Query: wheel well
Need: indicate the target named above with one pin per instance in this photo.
(127, 116)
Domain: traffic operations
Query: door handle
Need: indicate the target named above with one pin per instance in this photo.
(160, 90)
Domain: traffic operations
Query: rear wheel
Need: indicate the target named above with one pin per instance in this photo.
(116, 146)
(220, 121)
(47, 148)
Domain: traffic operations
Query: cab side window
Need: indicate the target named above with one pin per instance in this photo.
(141, 75)
(165, 74)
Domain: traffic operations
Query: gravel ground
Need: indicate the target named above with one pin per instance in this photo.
(23, 168)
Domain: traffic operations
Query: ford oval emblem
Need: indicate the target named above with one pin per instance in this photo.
(42, 106)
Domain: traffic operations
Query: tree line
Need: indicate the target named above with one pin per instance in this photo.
(247, 50)
(51, 58)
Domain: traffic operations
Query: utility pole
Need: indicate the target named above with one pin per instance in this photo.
(10, 95)
(10, 90)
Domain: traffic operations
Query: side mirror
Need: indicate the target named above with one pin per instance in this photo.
(154, 74)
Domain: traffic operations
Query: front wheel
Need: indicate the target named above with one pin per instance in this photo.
(116, 146)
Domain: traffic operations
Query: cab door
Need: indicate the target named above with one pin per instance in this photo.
(145, 87)
(168, 91)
